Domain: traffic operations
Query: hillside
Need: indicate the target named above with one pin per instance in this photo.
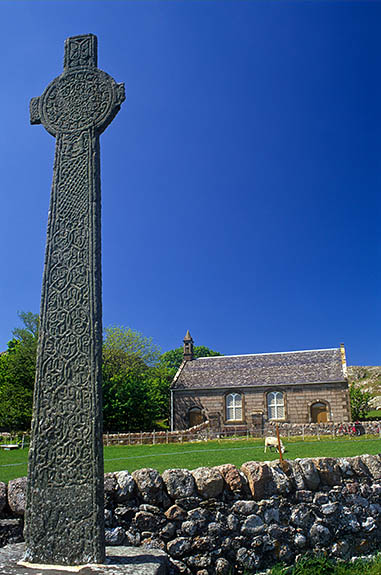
(369, 378)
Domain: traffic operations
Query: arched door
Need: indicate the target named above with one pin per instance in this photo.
(195, 416)
(319, 412)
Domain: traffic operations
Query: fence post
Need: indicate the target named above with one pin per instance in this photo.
(141, 438)
(318, 432)
(129, 438)
(303, 431)
(22, 441)
(279, 446)
(247, 434)
(166, 436)
(153, 437)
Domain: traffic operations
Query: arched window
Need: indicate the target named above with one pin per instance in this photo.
(234, 407)
(275, 405)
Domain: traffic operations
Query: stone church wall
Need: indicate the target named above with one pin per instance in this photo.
(224, 520)
(298, 400)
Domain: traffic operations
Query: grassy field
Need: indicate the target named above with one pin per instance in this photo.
(206, 453)
(321, 565)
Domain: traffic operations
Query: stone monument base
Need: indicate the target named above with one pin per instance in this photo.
(119, 561)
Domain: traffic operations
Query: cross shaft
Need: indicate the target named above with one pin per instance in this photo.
(64, 518)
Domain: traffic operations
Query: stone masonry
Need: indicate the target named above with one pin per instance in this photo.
(227, 520)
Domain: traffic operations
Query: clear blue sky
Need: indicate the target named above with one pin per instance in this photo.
(240, 181)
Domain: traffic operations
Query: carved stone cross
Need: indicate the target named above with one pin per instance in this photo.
(64, 518)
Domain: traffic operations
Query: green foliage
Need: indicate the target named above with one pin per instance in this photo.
(17, 373)
(172, 359)
(322, 565)
(135, 386)
(359, 402)
(319, 565)
(123, 346)
(136, 378)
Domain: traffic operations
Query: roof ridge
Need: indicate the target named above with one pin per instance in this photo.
(268, 353)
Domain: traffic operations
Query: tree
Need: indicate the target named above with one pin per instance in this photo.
(17, 373)
(135, 386)
(123, 346)
(359, 402)
(173, 358)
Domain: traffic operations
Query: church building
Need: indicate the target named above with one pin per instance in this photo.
(251, 390)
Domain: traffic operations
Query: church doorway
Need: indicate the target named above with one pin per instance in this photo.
(195, 416)
(319, 412)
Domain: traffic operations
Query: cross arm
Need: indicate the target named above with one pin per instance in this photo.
(34, 108)
(120, 94)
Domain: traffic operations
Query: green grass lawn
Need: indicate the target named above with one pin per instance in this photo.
(206, 453)
(374, 414)
(321, 565)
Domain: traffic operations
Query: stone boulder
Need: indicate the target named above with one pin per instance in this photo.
(175, 513)
(109, 488)
(3, 495)
(320, 534)
(310, 474)
(223, 567)
(253, 525)
(345, 467)
(209, 481)
(358, 466)
(17, 495)
(282, 483)
(150, 485)
(302, 516)
(329, 471)
(296, 475)
(178, 547)
(245, 507)
(146, 521)
(179, 483)
(234, 479)
(373, 463)
(260, 479)
(115, 536)
(125, 486)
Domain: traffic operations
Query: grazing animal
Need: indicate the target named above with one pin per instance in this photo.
(271, 442)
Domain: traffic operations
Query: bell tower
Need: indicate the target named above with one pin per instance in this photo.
(188, 347)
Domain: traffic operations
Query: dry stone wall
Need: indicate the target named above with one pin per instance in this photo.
(227, 520)
(208, 430)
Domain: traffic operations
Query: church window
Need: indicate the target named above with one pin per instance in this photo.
(275, 405)
(234, 407)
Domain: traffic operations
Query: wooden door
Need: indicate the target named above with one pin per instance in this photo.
(319, 413)
(195, 416)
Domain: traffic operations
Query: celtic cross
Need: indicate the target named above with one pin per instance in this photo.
(64, 517)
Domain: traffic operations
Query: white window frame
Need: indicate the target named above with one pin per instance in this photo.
(275, 401)
(236, 405)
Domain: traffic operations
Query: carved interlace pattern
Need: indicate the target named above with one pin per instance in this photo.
(77, 100)
(67, 406)
(80, 52)
(65, 364)
(64, 516)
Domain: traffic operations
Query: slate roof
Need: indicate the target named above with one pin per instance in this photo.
(285, 368)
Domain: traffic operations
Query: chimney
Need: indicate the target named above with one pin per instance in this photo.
(343, 360)
(188, 347)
